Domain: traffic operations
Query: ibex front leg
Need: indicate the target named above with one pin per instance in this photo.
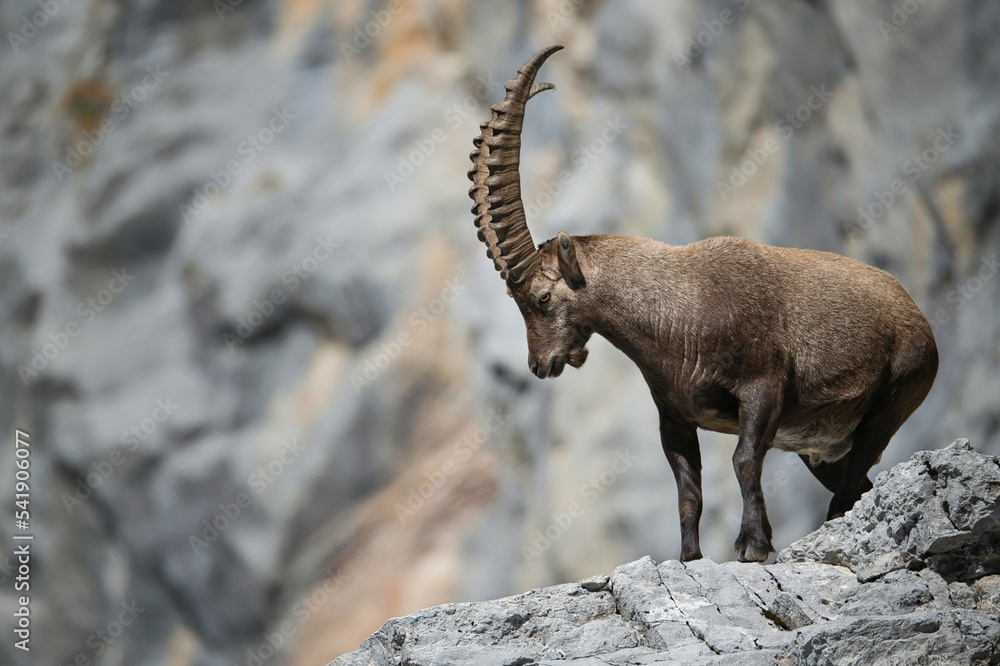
(759, 411)
(680, 444)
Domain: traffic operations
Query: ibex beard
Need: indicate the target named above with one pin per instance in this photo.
(799, 350)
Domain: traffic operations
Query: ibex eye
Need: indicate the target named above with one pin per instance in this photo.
(544, 298)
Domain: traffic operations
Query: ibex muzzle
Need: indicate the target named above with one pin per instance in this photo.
(792, 349)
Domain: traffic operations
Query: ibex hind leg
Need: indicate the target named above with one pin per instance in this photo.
(870, 439)
(831, 474)
(911, 374)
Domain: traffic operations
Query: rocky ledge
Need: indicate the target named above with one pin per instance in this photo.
(909, 576)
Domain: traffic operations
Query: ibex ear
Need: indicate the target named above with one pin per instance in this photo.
(568, 265)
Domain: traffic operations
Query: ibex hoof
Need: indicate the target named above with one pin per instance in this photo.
(753, 549)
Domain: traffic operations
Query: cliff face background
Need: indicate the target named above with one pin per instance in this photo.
(276, 392)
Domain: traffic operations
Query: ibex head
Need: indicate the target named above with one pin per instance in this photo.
(545, 282)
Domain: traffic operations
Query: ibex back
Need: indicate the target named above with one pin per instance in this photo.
(799, 350)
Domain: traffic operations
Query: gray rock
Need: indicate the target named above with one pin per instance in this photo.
(556, 623)
(954, 637)
(939, 510)
(817, 605)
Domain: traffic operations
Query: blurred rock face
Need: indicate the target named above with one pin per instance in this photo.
(279, 395)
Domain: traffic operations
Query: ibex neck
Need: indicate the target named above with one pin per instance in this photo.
(636, 286)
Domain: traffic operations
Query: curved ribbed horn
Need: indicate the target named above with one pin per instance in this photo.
(496, 188)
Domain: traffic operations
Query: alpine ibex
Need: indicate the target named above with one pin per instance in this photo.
(799, 350)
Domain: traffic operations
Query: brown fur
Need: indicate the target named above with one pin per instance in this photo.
(799, 350)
